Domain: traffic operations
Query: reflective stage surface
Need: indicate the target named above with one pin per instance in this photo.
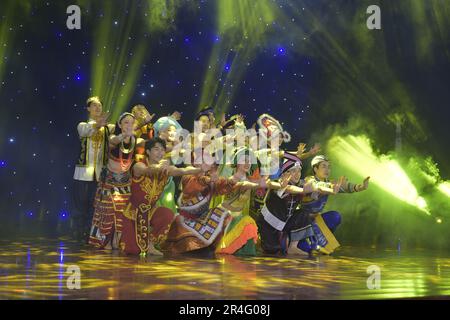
(47, 269)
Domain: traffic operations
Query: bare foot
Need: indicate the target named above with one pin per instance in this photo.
(108, 246)
(152, 250)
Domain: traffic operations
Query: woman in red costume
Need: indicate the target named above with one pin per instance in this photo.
(113, 190)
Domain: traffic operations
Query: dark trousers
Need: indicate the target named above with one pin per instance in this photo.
(274, 241)
(83, 208)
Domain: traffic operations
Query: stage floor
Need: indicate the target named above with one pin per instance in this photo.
(37, 269)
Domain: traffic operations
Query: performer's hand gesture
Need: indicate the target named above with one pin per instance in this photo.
(337, 186)
(309, 187)
(223, 119)
(102, 120)
(176, 115)
(149, 117)
(315, 149)
(301, 149)
(284, 180)
(129, 132)
(164, 166)
(364, 185)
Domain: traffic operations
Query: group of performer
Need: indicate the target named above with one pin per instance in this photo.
(135, 191)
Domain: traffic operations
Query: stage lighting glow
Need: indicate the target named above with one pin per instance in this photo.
(444, 187)
(115, 59)
(356, 154)
(242, 27)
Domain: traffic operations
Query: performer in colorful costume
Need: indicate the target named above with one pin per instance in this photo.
(272, 135)
(113, 190)
(278, 215)
(198, 226)
(145, 223)
(94, 139)
(241, 232)
(166, 128)
(318, 237)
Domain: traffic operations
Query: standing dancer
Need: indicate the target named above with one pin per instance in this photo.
(113, 191)
(94, 138)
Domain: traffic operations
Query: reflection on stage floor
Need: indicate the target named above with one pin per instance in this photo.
(45, 269)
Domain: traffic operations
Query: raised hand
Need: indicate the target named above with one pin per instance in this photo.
(102, 119)
(301, 149)
(364, 185)
(129, 132)
(315, 149)
(223, 119)
(149, 117)
(176, 115)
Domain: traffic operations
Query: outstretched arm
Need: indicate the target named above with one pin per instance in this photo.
(140, 169)
(175, 172)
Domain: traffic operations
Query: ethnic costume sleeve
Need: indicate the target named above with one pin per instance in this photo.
(223, 186)
(193, 184)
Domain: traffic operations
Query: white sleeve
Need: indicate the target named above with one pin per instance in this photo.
(86, 129)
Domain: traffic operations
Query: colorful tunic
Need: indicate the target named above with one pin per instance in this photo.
(113, 193)
(198, 226)
(144, 222)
